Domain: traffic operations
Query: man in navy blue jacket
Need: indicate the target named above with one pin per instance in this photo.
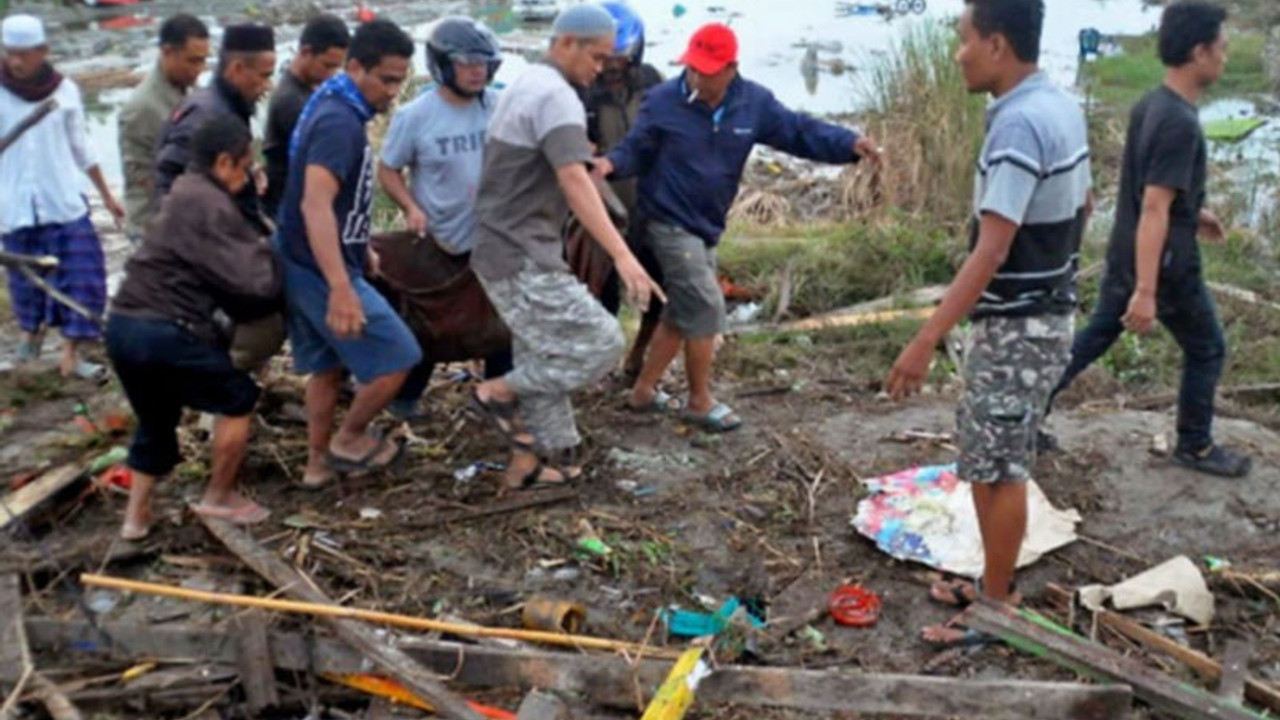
(688, 147)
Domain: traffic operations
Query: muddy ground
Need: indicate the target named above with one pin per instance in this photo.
(763, 514)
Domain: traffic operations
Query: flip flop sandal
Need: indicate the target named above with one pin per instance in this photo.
(967, 639)
(503, 416)
(958, 598)
(26, 352)
(366, 463)
(135, 533)
(662, 403)
(251, 514)
(1218, 461)
(86, 370)
(720, 419)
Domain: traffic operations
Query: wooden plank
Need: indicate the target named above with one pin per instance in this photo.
(1206, 667)
(22, 502)
(253, 660)
(358, 635)
(1029, 632)
(12, 661)
(1235, 670)
(614, 682)
(914, 695)
(539, 705)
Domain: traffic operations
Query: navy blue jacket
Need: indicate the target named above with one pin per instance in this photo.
(689, 157)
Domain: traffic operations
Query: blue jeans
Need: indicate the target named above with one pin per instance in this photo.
(1186, 308)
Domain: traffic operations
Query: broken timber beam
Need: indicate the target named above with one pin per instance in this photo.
(358, 635)
(22, 502)
(1029, 632)
(1235, 670)
(253, 661)
(1206, 667)
(614, 681)
(539, 705)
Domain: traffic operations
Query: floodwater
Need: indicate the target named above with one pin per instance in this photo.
(782, 43)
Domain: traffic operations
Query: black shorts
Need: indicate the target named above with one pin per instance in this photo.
(163, 369)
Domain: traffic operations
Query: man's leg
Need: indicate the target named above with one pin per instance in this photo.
(663, 349)
(1002, 521)
(82, 276)
(221, 495)
(699, 355)
(323, 390)
(29, 303)
(353, 440)
(1192, 318)
(1104, 328)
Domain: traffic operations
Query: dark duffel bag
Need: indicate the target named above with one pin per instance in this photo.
(439, 297)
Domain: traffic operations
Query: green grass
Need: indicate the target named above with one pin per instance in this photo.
(833, 267)
(1121, 80)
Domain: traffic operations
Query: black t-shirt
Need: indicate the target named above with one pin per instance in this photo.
(282, 115)
(1165, 147)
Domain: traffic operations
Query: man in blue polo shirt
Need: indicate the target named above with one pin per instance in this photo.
(336, 319)
(688, 148)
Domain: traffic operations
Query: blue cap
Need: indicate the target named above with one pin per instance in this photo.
(587, 20)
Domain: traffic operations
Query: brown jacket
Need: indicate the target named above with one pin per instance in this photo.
(201, 255)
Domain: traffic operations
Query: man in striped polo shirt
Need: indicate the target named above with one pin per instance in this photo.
(1018, 285)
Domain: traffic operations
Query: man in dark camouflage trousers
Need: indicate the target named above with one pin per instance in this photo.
(1011, 365)
(1018, 286)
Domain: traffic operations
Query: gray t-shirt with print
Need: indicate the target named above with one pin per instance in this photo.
(442, 145)
(538, 126)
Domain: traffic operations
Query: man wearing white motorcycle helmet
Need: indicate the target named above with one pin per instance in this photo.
(613, 102)
(439, 138)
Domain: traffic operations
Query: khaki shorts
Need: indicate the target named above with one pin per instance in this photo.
(695, 303)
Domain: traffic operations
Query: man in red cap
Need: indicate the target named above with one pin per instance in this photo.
(688, 148)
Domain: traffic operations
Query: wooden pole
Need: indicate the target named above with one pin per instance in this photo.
(374, 616)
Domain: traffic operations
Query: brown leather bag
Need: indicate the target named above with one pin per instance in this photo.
(586, 258)
(439, 297)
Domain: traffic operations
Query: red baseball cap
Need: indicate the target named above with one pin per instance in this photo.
(711, 49)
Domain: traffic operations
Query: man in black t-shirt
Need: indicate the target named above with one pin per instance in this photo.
(321, 50)
(1153, 262)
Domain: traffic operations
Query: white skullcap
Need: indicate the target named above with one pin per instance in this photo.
(22, 32)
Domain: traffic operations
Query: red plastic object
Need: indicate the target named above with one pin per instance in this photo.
(854, 606)
(116, 476)
(364, 14)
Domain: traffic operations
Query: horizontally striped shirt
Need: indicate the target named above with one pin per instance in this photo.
(1034, 171)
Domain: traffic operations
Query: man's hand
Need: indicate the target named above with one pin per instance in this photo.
(868, 149)
(1211, 228)
(345, 316)
(374, 261)
(641, 289)
(417, 221)
(1141, 314)
(116, 209)
(910, 369)
(601, 168)
(260, 181)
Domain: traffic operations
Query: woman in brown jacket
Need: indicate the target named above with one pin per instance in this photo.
(204, 265)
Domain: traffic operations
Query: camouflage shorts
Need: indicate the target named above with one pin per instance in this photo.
(1011, 367)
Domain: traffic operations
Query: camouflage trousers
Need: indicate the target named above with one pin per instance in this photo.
(562, 340)
(1011, 367)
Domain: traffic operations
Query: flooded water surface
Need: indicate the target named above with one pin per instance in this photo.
(808, 52)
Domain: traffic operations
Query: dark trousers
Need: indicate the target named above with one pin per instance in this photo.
(1186, 308)
(164, 368)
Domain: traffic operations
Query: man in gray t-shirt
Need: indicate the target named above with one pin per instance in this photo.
(535, 170)
(439, 137)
